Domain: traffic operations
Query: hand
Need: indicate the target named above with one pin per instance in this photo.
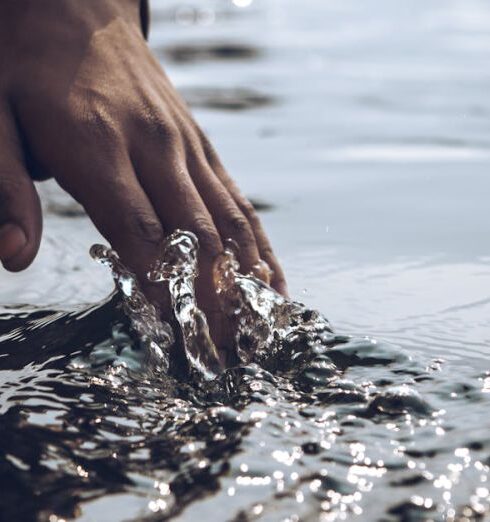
(83, 100)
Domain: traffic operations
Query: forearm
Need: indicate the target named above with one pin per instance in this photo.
(31, 30)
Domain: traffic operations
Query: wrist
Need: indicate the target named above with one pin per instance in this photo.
(27, 20)
(55, 33)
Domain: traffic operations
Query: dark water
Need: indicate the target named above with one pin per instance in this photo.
(99, 422)
(362, 131)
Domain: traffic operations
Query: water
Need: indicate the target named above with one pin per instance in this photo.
(364, 128)
(306, 424)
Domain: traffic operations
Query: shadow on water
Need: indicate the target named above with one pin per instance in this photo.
(227, 99)
(206, 51)
(261, 205)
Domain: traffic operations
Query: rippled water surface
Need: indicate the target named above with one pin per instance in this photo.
(360, 129)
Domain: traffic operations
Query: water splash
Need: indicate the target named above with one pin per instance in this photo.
(178, 267)
(264, 321)
(155, 335)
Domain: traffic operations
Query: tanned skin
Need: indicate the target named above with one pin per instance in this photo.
(83, 100)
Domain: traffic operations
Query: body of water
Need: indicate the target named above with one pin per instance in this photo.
(361, 130)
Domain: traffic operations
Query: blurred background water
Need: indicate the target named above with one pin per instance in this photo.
(361, 130)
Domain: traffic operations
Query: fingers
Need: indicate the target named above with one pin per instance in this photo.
(278, 281)
(164, 176)
(20, 208)
(108, 189)
(191, 192)
(228, 217)
(20, 218)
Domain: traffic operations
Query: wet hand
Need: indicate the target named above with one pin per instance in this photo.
(83, 100)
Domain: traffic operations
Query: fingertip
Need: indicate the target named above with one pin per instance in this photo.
(19, 262)
(281, 287)
(24, 256)
(278, 281)
(14, 248)
(12, 241)
(19, 241)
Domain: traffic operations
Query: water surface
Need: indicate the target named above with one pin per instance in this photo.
(363, 130)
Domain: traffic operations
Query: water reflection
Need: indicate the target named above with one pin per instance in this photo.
(322, 428)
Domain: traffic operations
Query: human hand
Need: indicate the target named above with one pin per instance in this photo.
(83, 100)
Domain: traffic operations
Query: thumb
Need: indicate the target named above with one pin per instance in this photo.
(20, 208)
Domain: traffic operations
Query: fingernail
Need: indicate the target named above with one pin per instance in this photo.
(12, 241)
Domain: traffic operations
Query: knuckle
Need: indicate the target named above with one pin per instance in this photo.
(206, 233)
(11, 184)
(160, 127)
(241, 228)
(104, 127)
(268, 254)
(95, 117)
(11, 187)
(147, 228)
(248, 209)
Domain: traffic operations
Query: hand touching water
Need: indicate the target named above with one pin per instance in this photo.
(83, 100)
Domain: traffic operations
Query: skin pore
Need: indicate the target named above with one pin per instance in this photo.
(83, 100)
